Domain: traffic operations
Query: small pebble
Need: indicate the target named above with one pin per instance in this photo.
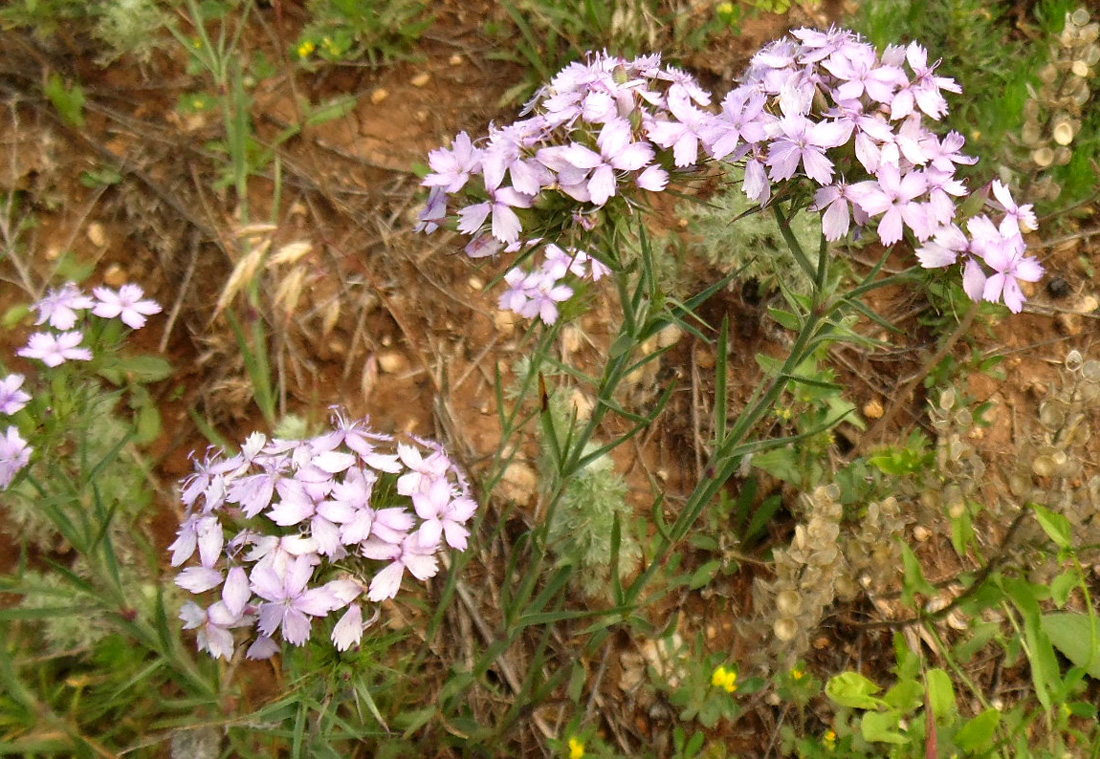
(455, 60)
(96, 235)
(873, 410)
(420, 79)
(392, 362)
(379, 95)
(115, 276)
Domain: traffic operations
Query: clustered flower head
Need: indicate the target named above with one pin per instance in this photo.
(14, 451)
(604, 129)
(291, 531)
(62, 308)
(818, 111)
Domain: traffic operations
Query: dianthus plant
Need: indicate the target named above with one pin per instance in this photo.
(819, 121)
(287, 532)
(72, 326)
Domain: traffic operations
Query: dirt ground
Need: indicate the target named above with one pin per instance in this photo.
(399, 326)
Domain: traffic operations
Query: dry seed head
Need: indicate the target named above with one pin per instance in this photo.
(1062, 156)
(289, 290)
(1074, 360)
(291, 253)
(242, 274)
(1079, 17)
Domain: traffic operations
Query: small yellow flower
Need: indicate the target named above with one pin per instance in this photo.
(724, 678)
(306, 48)
(797, 674)
(829, 739)
(725, 9)
(576, 749)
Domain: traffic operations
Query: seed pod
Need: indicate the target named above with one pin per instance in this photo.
(785, 629)
(1063, 129)
(789, 603)
(1079, 17)
(1048, 73)
(1042, 466)
(1042, 157)
(1052, 415)
(1062, 156)
(947, 399)
(1079, 68)
(1090, 371)
(1074, 360)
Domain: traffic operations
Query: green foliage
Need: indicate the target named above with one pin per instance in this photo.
(67, 99)
(380, 31)
(545, 35)
(131, 27)
(590, 515)
(813, 406)
(734, 235)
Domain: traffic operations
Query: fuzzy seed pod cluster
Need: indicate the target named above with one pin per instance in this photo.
(806, 574)
(1050, 470)
(959, 465)
(1053, 113)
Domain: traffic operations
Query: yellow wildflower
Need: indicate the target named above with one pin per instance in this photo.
(797, 674)
(829, 739)
(724, 678)
(306, 48)
(576, 749)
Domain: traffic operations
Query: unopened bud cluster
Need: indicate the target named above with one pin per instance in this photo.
(1053, 114)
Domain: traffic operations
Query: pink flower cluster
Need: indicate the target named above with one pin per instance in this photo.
(14, 451)
(62, 308)
(599, 130)
(821, 112)
(826, 106)
(287, 531)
